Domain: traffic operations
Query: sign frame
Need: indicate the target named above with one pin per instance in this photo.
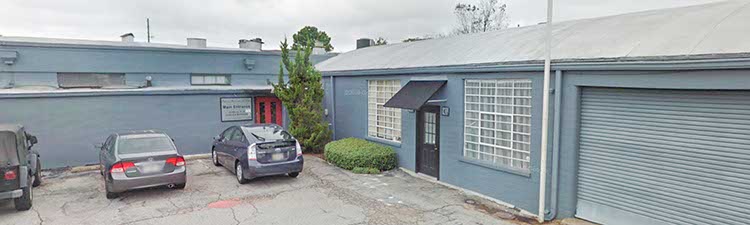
(222, 110)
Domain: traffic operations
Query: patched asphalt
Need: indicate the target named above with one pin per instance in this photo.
(322, 194)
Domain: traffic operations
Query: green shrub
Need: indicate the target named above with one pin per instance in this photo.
(352, 152)
(366, 170)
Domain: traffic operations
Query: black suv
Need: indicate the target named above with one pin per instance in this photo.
(19, 165)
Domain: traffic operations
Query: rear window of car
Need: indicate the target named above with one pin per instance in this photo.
(268, 133)
(134, 144)
(8, 150)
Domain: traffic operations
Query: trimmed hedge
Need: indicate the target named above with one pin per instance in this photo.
(352, 152)
(365, 170)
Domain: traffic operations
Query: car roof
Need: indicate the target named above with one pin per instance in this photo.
(11, 127)
(261, 125)
(139, 132)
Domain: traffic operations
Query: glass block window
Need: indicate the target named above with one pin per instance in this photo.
(90, 80)
(497, 122)
(383, 122)
(210, 79)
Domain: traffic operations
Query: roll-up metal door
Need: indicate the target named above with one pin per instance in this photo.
(664, 157)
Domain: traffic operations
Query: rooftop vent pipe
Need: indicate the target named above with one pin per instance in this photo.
(196, 42)
(364, 43)
(255, 44)
(129, 37)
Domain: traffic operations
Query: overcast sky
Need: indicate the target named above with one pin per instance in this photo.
(223, 22)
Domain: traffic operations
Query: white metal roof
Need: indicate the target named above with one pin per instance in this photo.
(710, 29)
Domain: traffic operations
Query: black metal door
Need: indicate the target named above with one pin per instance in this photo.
(428, 141)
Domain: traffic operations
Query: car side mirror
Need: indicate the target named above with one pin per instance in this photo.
(33, 140)
(217, 138)
(98, 146)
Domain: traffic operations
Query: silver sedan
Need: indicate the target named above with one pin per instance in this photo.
(140, 159)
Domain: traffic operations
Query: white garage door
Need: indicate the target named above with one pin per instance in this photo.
(664, 157)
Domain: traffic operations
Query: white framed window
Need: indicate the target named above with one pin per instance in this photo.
(210, 79)
(497, 122)
(90, 80)
(383, 122)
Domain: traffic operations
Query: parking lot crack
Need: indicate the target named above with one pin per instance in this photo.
(41, 220)
(234, 216)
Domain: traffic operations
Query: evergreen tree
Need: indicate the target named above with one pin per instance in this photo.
(303, 97)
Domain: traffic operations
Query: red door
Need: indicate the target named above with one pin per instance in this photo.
(268, 110)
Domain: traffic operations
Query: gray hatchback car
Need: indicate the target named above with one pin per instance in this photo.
(257, 150)
(140, 159)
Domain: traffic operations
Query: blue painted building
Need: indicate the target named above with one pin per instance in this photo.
(73, 93)
(649, 114)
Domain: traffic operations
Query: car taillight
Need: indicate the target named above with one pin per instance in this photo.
(121, 167)
(299, 148)
(176, 161)
(252, 152)
(10, 175)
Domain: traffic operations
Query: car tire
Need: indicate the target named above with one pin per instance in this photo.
(238, 173)
(180, 186)
(215, 158)
(37, 174)
(294, 175)
(25, 201)
(112, 195)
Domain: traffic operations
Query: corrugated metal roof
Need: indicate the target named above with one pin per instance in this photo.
(710, 29)
(41, 41)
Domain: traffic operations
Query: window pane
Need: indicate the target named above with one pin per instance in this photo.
(90, 80)
(208, 79)
(497, 123)
(383, 122)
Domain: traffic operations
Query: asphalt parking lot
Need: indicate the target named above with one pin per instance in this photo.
(322, 194)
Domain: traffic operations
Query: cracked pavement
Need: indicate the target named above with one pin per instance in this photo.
(322, 194)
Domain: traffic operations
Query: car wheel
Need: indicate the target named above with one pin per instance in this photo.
(215, 158)
(112, 195)
(238, 171)
(180, 186)
(38, 174)
(294, 175)
(24, 202)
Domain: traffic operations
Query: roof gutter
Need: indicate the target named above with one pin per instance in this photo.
(134, 47)
(742, 62)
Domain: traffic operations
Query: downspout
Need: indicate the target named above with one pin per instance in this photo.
(545, 116)
(333, 107)
(555, 146)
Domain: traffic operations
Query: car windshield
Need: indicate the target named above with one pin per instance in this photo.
(8, 150)
(268, 133)
(143, 143)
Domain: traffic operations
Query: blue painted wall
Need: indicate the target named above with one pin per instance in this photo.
(519, 190)
(68, 127)
(69, 124)
(522, 191)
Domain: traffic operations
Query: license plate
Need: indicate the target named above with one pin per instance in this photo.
(151, 168)
(277, 156)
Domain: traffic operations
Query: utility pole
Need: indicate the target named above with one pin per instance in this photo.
(148, 30)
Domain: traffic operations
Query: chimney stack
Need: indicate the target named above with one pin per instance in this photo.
(255, 44)
(196, 42)
(364, 43)
(318, 49)
(129, 37)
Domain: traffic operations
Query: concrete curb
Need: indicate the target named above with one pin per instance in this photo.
(520, 212)
(78, 169)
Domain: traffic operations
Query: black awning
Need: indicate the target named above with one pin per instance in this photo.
(414, 95)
